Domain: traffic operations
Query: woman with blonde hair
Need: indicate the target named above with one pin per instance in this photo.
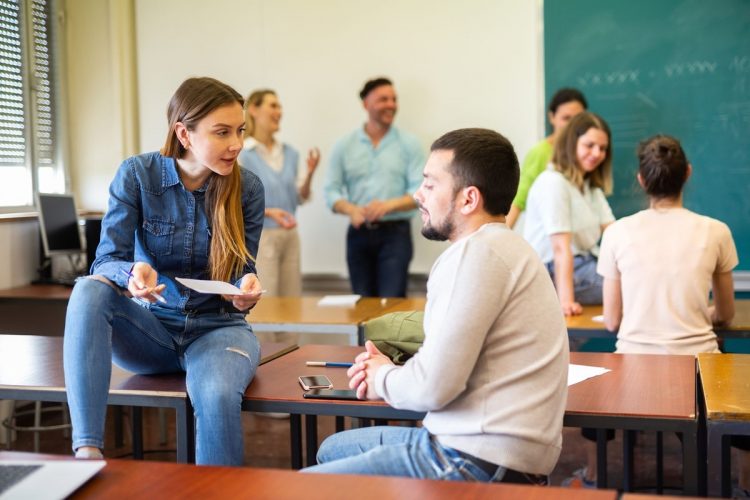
(567, 210)
(188, 211)
(276, 163)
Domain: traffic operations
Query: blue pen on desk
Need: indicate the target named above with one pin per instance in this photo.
(142, 286)
(333, 364)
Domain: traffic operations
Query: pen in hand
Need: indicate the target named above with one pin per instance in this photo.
(142, 286)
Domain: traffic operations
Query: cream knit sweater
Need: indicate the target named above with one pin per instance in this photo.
(492, 372)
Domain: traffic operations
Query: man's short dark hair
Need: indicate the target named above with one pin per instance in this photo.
(484, 159)
(372, 85)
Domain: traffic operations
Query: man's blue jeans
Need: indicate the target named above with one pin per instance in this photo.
(378, 257)
(218, 351)
(396, 451)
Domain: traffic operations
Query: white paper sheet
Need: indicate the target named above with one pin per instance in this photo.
(339, 300)
(210, 286)
(579, 373)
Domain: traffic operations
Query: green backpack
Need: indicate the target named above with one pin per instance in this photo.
(398, 335)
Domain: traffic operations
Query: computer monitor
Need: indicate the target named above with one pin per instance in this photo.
(58, 221)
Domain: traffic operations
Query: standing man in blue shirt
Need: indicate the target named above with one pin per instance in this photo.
(373, 174)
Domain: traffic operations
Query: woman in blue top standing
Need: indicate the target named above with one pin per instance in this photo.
(276, 165)
(187, 211)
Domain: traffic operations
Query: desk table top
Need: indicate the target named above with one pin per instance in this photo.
(305, 310)
(726, 385)
(137, 478)
(639, 385)
(634, 379)
(36, 363)
(37, 292)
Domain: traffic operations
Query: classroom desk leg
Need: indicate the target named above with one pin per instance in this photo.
(136, 418)
(311, 438)
(719, 462)
(601, 458)
(340, 424)
(119, 442)
(185, 431)
(659, 463)
(628, 445)
(295, 431)
(690, 468)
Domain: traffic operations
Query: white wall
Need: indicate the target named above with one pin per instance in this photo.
(92, 130)
(19, 252)
(470, 64)
(454, 65)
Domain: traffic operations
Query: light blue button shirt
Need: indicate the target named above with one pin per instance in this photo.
(361, 173)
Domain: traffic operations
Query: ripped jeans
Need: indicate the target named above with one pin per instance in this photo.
(218, 352)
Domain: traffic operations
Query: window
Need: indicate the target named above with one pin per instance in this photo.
(30, 153)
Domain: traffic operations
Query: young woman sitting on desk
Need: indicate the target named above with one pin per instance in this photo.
(659, 266)
(567, 210)
(187, 211)
(564, 105)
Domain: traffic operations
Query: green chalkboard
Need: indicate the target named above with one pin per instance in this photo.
(680, 67)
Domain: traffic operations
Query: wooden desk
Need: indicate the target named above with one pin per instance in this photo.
(31, 368)
(725, 381)
(276, 388)
(133, 479)
(407, 304)
(585, 326)
(625, 398)
(642, 392)
(303, 315)
(37, 292)
(20, 309)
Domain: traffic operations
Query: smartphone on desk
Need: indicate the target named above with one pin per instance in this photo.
(348, 394)
(309, 382)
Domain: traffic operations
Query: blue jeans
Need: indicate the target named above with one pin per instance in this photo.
(378, 258)
(396, 451)
(218, 352)
(587, 284)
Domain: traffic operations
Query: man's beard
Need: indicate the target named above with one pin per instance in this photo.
(439, 233)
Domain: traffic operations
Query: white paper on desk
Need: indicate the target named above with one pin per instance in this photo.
(579, 373)
(210, 286)
(339, 300)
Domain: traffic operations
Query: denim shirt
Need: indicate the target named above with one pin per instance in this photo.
(152, 218)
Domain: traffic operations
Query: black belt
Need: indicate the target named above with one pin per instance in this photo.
(212, 310)
(383, 224)
(510, 476)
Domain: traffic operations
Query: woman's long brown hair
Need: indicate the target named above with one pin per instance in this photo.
(193, 100)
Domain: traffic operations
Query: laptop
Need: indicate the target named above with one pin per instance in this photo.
(44, 479)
